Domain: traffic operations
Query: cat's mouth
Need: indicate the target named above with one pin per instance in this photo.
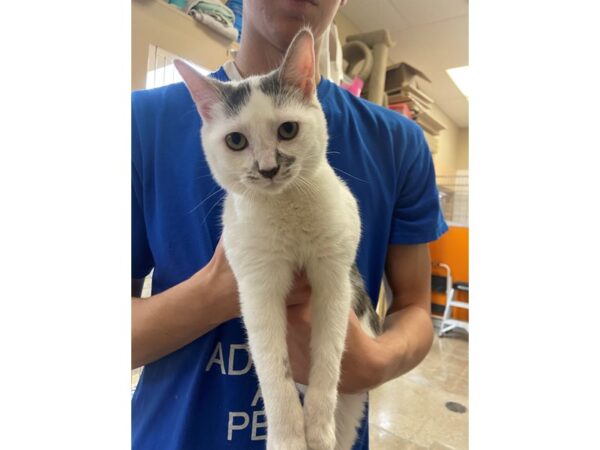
(268, 185)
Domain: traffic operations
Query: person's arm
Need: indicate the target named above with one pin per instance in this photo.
(407, 330)
(165, 322)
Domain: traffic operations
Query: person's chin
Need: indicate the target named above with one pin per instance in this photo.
(298, 13)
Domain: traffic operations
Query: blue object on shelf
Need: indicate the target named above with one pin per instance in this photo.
(181, 4)
(236, 6)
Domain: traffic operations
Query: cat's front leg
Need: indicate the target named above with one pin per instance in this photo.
(331, 300)
(263, 290)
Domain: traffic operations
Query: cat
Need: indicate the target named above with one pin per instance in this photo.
(265, 140)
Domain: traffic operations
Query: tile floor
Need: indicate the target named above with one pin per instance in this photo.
(409, 413)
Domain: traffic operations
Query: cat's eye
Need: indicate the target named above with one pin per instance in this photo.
(287, 130)
(236, 141)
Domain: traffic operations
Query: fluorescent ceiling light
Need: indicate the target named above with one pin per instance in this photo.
(460, 76)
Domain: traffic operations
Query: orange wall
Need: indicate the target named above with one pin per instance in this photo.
(452, 249)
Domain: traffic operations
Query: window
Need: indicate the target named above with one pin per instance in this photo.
(161, 70)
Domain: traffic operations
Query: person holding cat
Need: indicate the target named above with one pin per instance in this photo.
(198, 389)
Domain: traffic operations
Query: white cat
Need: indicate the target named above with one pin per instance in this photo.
(265, 140)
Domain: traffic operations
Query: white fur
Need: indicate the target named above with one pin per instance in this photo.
(303, 218)
(311, 224)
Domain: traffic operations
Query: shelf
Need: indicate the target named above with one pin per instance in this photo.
(181, 15)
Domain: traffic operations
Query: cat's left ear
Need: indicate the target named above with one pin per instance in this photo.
(298, 67)
(204, 91)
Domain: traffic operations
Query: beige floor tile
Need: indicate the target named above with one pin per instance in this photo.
(379, 439)
(413, 407)
(451, 429)
(438, 446)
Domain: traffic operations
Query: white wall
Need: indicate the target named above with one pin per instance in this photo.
(462, 150)
(445, 158)
(345, 26)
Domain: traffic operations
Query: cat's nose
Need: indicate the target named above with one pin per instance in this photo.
(269, 173)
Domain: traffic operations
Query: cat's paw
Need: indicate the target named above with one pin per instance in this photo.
(320, 429)
(320, 436)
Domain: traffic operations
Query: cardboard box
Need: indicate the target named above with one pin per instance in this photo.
(429, 124)
(403, 74)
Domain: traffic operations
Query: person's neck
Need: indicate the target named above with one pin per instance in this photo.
(258, 56)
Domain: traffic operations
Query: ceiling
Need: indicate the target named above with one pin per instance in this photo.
(431, 35)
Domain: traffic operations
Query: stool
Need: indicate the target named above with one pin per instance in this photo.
(451, 289)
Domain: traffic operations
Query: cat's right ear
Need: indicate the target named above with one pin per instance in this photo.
(202, 89)
(298, 67)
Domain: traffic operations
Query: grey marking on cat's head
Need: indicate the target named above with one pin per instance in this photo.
(234, 97)
(281, 93)
(284, 160)
(269, 162)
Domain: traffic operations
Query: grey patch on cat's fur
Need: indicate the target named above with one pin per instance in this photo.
(361, 303)
(284, 160)
(287, 368)
(374, 321)
(235, 97)
(281, 93)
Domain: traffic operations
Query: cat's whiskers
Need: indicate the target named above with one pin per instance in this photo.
(203, 176)
(248, 192)
(213, 207)
(203, 201)
(222, 170)
(305, 186)
(348, 174)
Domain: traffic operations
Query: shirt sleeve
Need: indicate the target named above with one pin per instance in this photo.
(141, 256)
(417, 216)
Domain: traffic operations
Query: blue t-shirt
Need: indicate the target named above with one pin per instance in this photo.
(205, 395)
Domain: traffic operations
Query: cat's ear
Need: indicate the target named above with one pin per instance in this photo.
(298, 67)
(203, 90)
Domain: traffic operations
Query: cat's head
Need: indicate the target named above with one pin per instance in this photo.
(265, 133)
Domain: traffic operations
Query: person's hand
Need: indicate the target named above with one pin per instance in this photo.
(363, 359)
(299, 295)
(222, 282)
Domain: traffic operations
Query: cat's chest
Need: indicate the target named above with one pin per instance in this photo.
(297, 218)
(293, 220)
(299, 228)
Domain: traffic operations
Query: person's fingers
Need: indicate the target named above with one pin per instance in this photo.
(300, 291)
